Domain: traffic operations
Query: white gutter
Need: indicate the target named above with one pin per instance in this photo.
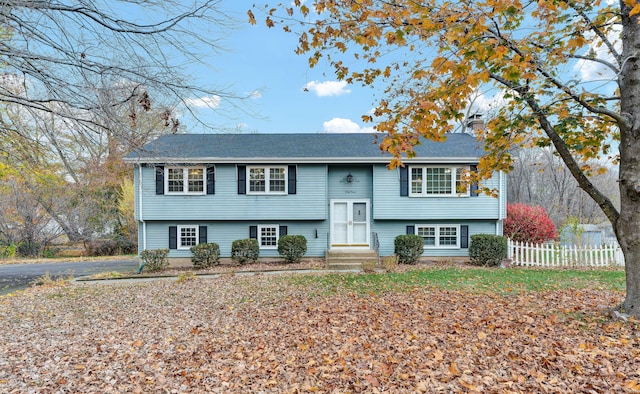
(316, 160)
(140, 218)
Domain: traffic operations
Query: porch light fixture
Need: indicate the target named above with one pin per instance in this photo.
(349, 177)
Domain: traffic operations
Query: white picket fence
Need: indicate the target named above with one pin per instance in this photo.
(552, 255)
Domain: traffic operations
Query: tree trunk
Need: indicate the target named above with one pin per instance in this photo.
(627, 226)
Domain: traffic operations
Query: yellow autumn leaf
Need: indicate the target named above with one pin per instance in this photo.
(632, 385)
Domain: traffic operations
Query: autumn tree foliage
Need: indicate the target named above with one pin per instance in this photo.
(428, 58)
(526, 223)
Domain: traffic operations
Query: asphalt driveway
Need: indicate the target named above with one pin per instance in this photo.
(19, 276)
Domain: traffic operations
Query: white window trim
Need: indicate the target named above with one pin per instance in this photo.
(260, 227)
(423, 193)
(185, 180)
(437, 235)
(267, 176)
(179, 233)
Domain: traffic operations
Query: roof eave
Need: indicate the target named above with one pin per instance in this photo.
(298, 160)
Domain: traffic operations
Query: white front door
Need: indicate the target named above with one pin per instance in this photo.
(349, 223)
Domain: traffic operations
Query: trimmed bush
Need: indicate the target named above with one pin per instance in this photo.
(245, 250)
(408, 248)
(154, 260)
(487, 249)
(292, 247)
(205, 255)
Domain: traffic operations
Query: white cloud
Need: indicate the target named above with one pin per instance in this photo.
(256, 94)
(485, 104)
(327, 88)
(593, 71)
(341, 125)
(203, 102)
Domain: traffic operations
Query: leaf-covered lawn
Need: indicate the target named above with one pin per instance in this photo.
(285, 334)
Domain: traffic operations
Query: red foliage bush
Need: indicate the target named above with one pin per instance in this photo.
(525, 223)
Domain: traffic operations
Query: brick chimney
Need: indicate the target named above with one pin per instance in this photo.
(475, 122)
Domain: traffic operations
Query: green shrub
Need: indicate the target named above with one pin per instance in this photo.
(205, 255)
(8, 251)
(408, 248)
(154, 260)
(487, 249)
(50, 252)
(245, 250)
(292, 247)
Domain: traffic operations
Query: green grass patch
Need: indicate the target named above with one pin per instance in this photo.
(480, 280)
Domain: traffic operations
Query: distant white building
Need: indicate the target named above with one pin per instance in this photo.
(584, 235)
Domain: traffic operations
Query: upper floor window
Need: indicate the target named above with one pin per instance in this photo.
(437, 181)
(267, 180)
(181, 180)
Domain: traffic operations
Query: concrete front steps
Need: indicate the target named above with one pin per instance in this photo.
(349, 258)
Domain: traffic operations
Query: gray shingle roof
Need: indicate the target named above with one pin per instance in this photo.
(328, 147)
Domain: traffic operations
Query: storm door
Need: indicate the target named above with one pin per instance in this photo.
(349, 223)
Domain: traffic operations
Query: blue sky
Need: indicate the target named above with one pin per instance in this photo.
(286, 95)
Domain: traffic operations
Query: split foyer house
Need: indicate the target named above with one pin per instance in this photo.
(334, 189)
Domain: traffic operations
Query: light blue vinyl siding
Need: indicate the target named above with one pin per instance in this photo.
(309, 202)
(388, 204)
(388, 230)
(361, 185)
(224, 233)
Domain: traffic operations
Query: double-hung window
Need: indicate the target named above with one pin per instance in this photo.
(428, 181)
(267, 180)
(439, 236)
(187, 236)
(185, 180)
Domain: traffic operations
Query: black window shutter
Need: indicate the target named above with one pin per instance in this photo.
(411, 229)
(242, 179)
(159, 180)
(202, 235)
(464, 237)
(211, 180)
(404, 181)
(473, 188)
(173, 237)
(283, 231)
(292, 179)
(253, 232)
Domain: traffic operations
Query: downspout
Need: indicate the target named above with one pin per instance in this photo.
(500, 201)
(141, 219)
